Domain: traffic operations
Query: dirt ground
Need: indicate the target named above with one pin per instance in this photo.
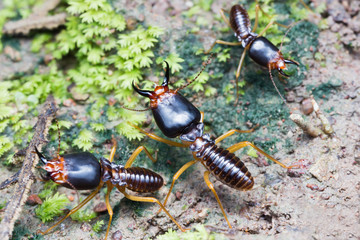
(319, 201)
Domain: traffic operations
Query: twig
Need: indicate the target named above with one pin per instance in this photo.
(327, 128)
(25, 179)
(25, 25)
(305, 126)
(37, 20)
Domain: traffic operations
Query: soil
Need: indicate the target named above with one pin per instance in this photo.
(318, 201)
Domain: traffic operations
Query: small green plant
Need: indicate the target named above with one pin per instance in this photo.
(51, 207)
(98, 225)
(83, 215)
(48, 190)
(85, 140)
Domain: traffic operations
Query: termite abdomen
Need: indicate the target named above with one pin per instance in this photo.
(142, 180)
(227, 168)
(241, 25)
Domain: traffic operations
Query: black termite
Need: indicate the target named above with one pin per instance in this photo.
(261, 50)
(82, 171)
(177, 117)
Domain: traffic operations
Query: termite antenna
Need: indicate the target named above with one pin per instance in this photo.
(277, 90)
(288, 30)
(202, 69)
(135, 110)
(58, 128)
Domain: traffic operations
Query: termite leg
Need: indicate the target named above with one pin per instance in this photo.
(307, 7)
(240, 145)
(159, 139)
(112, 153)
(223, 43)
(232, 131)
(108, 206)
(211, 186)
(135, 154)
(153, 200)
(222, 13)
(75, 209)
(202, 116)
(257, 7)
(175, 177)
(266, 28)
(237, 75)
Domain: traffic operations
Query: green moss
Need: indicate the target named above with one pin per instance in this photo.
(51, 207)
(98, 226)
(83, 215)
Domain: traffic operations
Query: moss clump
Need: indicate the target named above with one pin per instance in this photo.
(51, 207)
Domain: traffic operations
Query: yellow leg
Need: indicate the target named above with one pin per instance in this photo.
(267, 15)
(307, 7)
(176, 176)
(211, 186)
(108, 206)
(266, 28)
(240, 145)
(257, 7)
(112, 153)
(159, 139)
(223, 43)
(231, 132)
(202, 116)
(136, 153)
(80, 205)
(153, 200)
(222, 13)
(237, 75)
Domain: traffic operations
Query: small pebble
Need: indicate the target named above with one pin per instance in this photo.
(71, 198)
(117, 235)
(325, 196)
(33, 199)
(306, 106)
(86, 227)
(100, 207)
(178, 195)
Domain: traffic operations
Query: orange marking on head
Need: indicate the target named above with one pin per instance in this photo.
(56, 169)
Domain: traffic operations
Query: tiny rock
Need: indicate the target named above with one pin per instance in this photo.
(33, 199)
(13, 54)
(178, 195)
(85, 227)
(71, 198)
(117, 235)
(306, 106)
(100, 207)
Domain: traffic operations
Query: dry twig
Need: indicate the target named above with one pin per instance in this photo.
(25, 176)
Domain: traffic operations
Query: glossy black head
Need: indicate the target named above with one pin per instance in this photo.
(262, 51)
(173, 113)
(83, 171)
(266, 54)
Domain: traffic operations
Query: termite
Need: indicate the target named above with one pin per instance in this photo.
(261, 50)
(83, 171)
(178, 117)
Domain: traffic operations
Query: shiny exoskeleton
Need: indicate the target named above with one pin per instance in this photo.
(82, 171)
(177, 117)
(261, 50)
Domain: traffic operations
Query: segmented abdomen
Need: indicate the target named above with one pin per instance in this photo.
(226, 167)
(240, 22)
(142, 180)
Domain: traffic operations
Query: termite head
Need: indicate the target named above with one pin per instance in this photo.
(280, 65)
(172, 112)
